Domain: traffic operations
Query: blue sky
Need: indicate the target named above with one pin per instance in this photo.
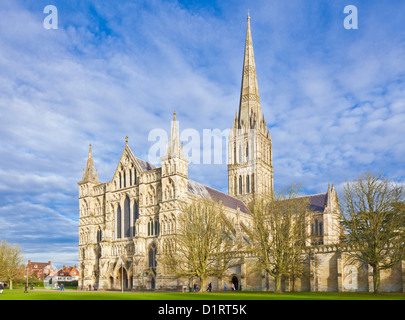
(334, 99)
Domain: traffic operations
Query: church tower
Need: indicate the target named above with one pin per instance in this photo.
(250, 163)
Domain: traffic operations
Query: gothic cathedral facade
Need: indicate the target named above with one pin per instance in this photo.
(122, 221)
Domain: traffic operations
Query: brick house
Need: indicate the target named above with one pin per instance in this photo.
(68, 274)
(39, 269)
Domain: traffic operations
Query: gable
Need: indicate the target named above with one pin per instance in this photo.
(129, 161)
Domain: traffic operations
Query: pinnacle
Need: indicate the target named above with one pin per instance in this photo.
(90, 173)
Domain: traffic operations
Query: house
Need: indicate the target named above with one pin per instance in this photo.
(39, 269)
(68, 274)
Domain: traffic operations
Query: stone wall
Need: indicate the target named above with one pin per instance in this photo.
(327, 269)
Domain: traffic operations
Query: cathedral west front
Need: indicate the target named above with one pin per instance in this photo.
(123, 221)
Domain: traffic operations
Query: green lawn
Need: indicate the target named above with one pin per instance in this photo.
(18, 294)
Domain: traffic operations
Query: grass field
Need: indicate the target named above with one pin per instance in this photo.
(18, 294)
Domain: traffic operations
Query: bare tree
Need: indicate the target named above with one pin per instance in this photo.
(11, 262)
(204, 243)
(279, 232)
(373, 216)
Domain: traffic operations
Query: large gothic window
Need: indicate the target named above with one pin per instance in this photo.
(119, 222)
(157, 227)
(152, 256)
(136, 216)
(127, 218)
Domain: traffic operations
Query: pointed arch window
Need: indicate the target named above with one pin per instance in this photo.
(152, 256)
(240, 184)
(119, 222)
(157, 227)
(130, 177)
(247, 184)
(150, 227)
(127, 218)
(136, 216)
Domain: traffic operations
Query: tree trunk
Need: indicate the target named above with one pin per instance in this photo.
(278, 284)
(292, 284)
(202, 283)
(376, 279)
(11, 285)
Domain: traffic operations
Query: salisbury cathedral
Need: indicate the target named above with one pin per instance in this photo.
(123, 220)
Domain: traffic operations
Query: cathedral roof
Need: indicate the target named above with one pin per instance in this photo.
(145, 166)
(317, 202)
(199, 189)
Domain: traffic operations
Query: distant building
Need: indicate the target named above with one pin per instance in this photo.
(68, 274)
(39, 269)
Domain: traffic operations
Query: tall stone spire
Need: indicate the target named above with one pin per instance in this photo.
(90, 173)
(249, 105)
(174, 147)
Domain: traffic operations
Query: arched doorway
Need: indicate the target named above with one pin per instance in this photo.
(122, 279)
(235, 282)
(110, 282)
(153, 283)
